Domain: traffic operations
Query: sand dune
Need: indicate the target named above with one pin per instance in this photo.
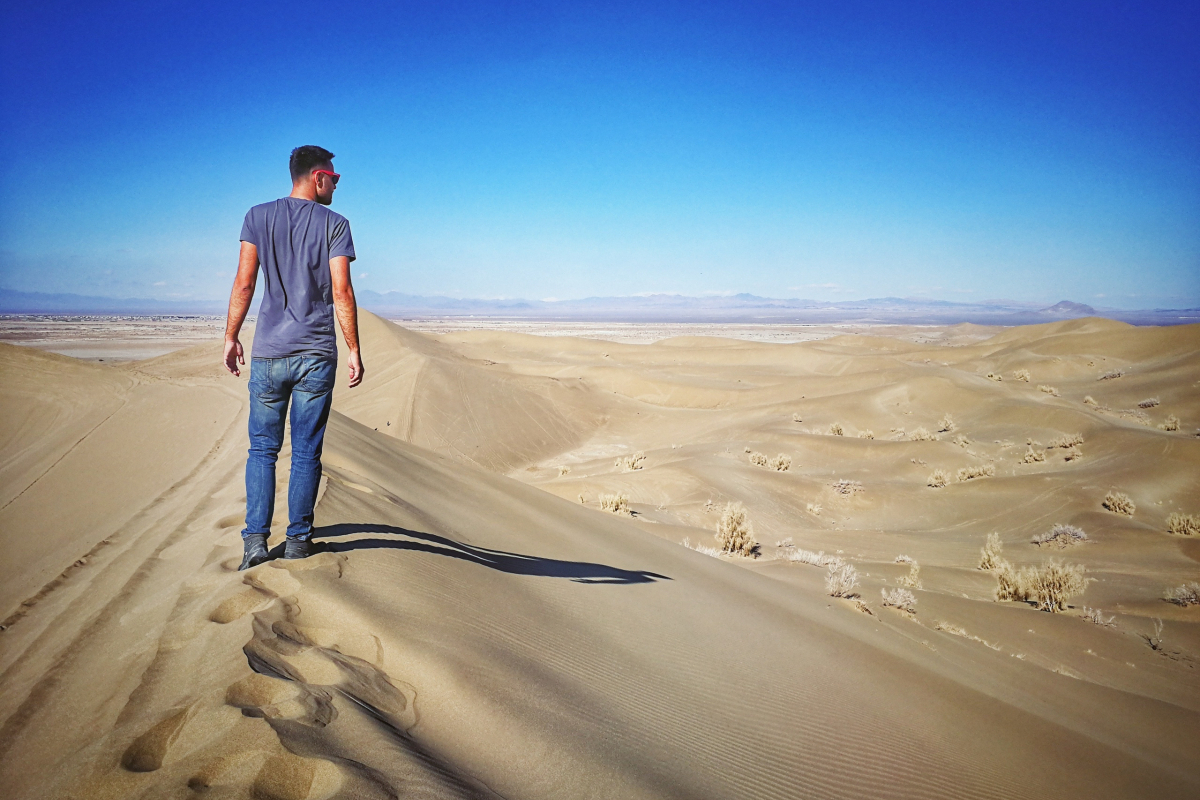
(470, 629)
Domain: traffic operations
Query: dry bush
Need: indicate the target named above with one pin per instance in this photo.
(796, 418)
(700, 548)
(1048, 389)
(1172, 424)
(1061, 536)
(951, 628)
(1048, 586)
(976, 471)
(947, 425)
(1183, 524)
(921, 435)
(709, 506)
(962, 441)
(841, 580)
(1149, 402)
(758, 459)
(748, 450)
(1074, 454)
(836, 429)
(630, 463)
(1096, 617)
(902, 559)
(615, 504)
(1090, 401)
(563, 469)
(1021, 375)
(1033, 456)
(913, 579)
(1186, 595)
(1119, 503)
(814, 509)
(992, 554)
(901, 599)
(799, 555)
(735, 533)
(780, 463)
(1112, 374)
(1066, 440)
(937, 479)
(866, 435)
(995, 376)
(847, 487)
(582, 499)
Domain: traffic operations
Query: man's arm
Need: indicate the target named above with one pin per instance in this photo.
(239, 306)
(347, 313)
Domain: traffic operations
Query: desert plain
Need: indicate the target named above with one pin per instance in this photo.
(519, 590)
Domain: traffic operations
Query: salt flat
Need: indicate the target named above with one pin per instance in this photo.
(476, 624)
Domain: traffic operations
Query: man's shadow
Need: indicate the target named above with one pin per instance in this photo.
(515, 563)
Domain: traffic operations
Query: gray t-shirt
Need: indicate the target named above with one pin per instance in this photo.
(295, 240)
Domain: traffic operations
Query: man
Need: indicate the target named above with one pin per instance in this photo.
(305, 251)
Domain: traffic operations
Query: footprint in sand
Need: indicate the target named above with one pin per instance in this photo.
(146, 753)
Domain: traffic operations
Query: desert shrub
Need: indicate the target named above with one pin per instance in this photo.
(961, 441)
(947, 425)
(902, 599)
(735, 533)
(1112, 374)
(1066, 440)
(1021, 375)
(1061, 536)
(1074, 454)
(1186, 595)
(1096, 617)
(866, 435)
(796, 418)
(1172, 424)
(781, 463)
(563, 470)
(836, 429)
(913, 579)
(902, 559)
(1090, 401)
(1183, 524)
(758, 459)
(976, 471)
(1048, 586)
(951, 628)
(799, 555)
(1119, 503)
(630, 463)
(937, 479)
(995, 376)
(1048, 389)
(991, 556)
(1033, 456)
(615, 503)
(847, 487)
(921, 435)
(700, 548)
(841, 580)
(814, 509)
(1149, 402)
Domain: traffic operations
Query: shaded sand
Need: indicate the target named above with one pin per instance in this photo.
(470, 629)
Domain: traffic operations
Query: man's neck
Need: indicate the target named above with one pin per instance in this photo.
(302, 192)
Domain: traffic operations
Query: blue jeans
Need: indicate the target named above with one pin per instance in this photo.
(307, 381)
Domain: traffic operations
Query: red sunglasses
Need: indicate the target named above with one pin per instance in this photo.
(330, 173)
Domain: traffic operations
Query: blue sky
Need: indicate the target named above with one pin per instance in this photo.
(962, 151)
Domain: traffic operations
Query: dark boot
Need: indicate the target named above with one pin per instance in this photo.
(256, 550)
(295, 548)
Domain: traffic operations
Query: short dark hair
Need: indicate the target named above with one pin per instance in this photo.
(306, 158)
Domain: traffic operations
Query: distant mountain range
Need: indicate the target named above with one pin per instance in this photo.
(738, 308)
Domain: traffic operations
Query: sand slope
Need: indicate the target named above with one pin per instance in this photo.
(468, 633)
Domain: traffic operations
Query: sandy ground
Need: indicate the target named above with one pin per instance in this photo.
(470, 628)
(109, 338)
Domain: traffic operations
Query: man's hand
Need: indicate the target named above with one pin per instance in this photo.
(356, 369)
(234, 356)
